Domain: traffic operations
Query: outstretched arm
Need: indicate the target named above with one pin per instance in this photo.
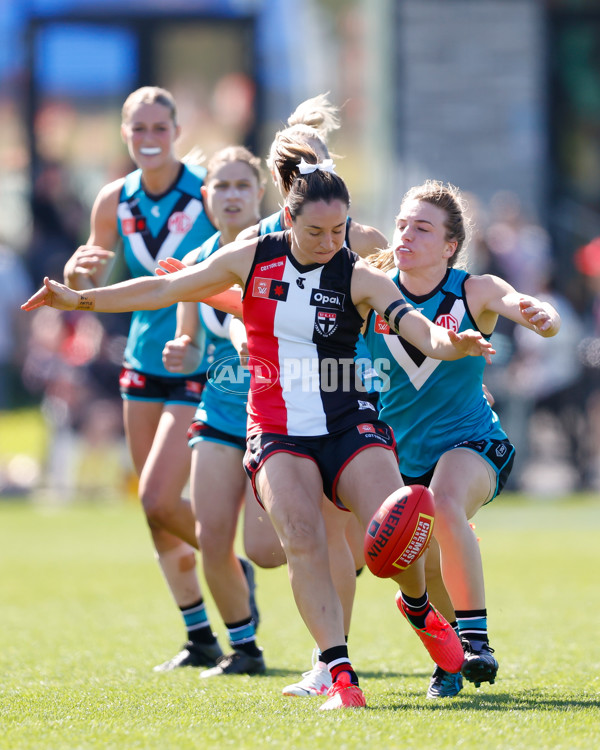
(372, 288)
(135, 294)
(229, 301)
(490, 296)
(214, 275)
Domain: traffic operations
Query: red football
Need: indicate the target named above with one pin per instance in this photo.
(400, 530)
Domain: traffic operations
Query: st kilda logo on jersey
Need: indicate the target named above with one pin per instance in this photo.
(326, 322)
(270, 289)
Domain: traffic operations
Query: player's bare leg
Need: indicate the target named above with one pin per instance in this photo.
(462, 483)
(368, 480)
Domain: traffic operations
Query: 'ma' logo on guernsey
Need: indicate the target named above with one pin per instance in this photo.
(179, 223)
(270, 289)
(230, 376)
(327, 299)
(449, 322)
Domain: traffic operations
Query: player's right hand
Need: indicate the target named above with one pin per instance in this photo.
(471, 343)
(175, 353)
(53, 294)
(87, 259)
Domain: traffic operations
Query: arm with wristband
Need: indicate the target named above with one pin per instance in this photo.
(373, 288)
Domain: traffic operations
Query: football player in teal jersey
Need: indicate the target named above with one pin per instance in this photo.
(156, 211)
(233, 189)
(448, 436)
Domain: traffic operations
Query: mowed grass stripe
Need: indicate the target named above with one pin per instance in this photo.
(86, 614)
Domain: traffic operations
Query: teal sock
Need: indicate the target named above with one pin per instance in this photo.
(197, 623)
(472, 625)
(242, 636)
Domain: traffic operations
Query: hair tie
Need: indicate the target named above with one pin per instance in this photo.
(326, 165)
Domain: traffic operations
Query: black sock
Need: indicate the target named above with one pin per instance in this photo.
(338, 661)
(242, 636)
(416, 609)
(197, 624)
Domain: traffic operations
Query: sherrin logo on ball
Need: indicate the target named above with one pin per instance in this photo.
(400, 531)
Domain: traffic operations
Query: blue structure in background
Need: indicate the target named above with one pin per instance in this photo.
(78, 59)
(90, 48)
(72, 49)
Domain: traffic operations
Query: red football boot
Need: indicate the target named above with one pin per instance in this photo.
(343, 694)
(439, 639)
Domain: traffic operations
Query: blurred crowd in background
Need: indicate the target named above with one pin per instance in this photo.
(546, 390)
(500, 98)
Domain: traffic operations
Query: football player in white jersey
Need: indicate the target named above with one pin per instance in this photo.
(310, 124)
(308, 431)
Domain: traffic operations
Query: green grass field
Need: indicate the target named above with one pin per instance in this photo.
(85, 615)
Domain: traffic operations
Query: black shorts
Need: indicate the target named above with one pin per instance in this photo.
(199, 431)
(500, 454)
(139, 386)
(331, 453)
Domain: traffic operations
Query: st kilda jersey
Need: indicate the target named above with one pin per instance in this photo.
(431, 404)
(154, 227)
(302, 331)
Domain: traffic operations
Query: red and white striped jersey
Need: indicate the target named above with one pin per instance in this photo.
(302, 329)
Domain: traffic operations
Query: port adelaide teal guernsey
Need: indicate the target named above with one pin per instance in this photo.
(154, 227)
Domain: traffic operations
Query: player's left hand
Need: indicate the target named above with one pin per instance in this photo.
(180, 355)
(538, 316)
(471, 343)
(169, 265)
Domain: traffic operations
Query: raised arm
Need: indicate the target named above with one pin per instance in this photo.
(372, 288)
(91, 264)
(489, 296)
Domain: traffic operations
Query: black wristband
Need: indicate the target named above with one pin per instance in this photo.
(395, 312)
